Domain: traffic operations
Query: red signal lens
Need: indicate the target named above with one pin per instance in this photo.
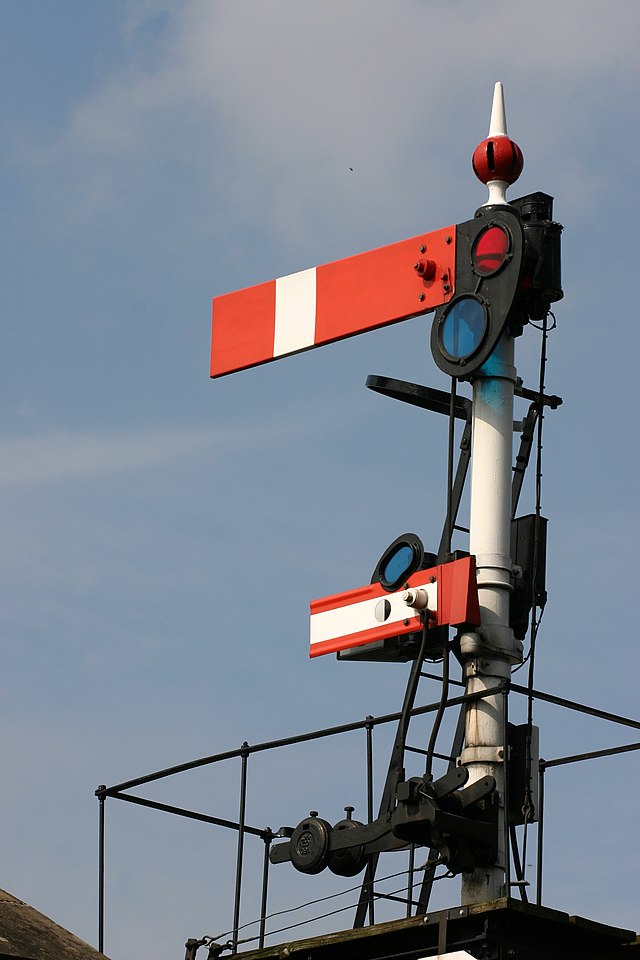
(490, 251)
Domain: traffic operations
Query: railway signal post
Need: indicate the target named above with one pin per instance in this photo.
(486, 279)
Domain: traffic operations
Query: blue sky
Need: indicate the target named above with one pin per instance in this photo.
(163, 534)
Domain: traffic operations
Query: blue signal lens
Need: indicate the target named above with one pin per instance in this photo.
(463, 328)
(398, 564)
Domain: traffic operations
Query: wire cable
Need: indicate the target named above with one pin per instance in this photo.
(527, 806)
(451, 438)
(208, 938)
(437, 722)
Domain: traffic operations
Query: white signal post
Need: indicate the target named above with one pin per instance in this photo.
(490, 651)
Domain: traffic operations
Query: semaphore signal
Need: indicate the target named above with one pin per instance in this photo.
(331, 302)
(487, 280)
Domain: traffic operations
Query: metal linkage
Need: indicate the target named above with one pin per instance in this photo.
(420, 904)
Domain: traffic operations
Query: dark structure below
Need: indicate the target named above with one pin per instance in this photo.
(26, 934)
(498, 930)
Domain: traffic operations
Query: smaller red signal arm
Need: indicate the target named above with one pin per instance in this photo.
(332, 302)
(357, 617)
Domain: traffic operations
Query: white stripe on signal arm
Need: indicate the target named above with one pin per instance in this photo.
(295, 321)
(356, 617)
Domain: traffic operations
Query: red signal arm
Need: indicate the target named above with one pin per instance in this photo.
(333, 301)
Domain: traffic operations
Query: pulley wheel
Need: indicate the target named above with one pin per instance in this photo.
(309, 845)
(348, 861)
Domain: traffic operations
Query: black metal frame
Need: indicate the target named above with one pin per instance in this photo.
(455, 407)
(120, 792)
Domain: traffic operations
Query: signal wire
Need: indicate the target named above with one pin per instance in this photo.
(536, 602)
(208, 939)
(437, 722)
(452, 424)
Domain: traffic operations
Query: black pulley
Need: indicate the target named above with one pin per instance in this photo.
(348, 861)
(309, 844)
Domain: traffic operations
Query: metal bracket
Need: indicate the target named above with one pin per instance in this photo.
(492, 640)
(481, 755)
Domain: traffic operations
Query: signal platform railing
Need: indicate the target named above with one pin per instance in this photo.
(245, 830)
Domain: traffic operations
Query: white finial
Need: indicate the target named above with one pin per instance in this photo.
(498, 122)
(497, 161)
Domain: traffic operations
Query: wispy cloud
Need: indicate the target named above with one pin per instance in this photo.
(199, 103)
(57, 456)
(63, 455)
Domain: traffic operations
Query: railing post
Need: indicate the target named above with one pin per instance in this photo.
(100, 793)
(540, 833)
(412, 867)
(505, 796)
(268, 837)
(240, 854)
(369, 729)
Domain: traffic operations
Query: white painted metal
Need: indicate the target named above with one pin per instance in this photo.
(295, 320)
(497, 128)
(491, 474)
(418, 598)
(497, 192)
(498, 122)
(491, 649)
(355, 617)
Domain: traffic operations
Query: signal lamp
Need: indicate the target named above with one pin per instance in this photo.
(489, 255)
(463, 327)
(401, 558)
(491, 251)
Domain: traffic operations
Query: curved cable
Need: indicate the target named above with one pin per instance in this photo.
(208, 938)
(437, 722)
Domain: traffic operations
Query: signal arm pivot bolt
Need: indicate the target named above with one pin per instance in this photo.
(425, 268)
(416, 598)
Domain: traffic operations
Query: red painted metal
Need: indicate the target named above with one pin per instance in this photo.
(498, 158)
(243, 328)
(353, 295)
(457, 605)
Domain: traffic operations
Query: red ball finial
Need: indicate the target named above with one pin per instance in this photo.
(498, 160)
